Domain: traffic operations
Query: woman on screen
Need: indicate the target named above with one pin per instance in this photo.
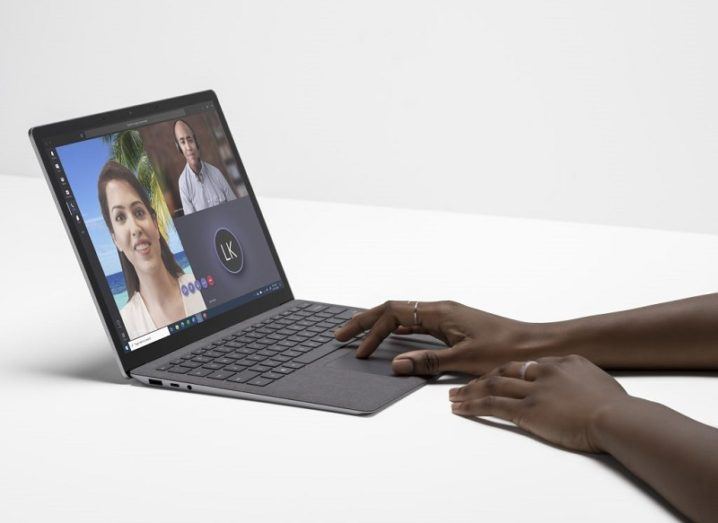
(152, 276)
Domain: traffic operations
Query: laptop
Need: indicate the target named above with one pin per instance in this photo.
(185, 277)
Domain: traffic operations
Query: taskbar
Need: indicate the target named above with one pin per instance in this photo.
(200, 317)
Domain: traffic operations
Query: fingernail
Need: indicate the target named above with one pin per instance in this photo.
(453, 393)
(455, 406)
(403, 366)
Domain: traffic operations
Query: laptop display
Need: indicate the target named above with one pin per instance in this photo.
(164, 216)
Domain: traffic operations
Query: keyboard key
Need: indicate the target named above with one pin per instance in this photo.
(177, 361)
(346, 315)
(316, 307)
(221, 375)
(335, 310)
(201, 359)
(243, 376)
(283, 370)
(256, 357)
(300, 336)
(190, 364)
(199, 372)
(280, 357)
(224, 361)
(223, 349)
(213, 366)
(260, 368)
(255, 346)
(270, 363)
(234, 368)
(164, 367)
(259, 382)
(272, 375)
(178, 370)
(292, 353)
(245, 350)
(287, 343)
(293, 365)
(311, 344)
(266, 352)
(264, 341)
(213, 354)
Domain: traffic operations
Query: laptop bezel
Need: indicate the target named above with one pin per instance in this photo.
(40, 137)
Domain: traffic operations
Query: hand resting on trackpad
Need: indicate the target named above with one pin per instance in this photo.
(380, 361)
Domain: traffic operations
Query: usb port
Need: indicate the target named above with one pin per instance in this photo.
(155, 382)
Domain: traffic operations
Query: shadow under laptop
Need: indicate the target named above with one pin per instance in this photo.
(99, 368)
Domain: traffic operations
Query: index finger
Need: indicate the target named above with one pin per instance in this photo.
(360, 322)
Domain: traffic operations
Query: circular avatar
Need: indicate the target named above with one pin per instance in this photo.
(229, 251)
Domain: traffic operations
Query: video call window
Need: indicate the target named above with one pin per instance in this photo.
(168, 215)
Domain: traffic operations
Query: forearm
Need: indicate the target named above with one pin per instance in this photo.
(674, 454)
(675, 335)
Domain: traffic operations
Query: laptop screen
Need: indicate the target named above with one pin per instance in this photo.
(162, 203)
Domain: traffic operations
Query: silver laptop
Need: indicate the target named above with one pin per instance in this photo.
(183, 271)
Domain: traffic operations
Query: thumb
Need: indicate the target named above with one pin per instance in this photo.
(425, 362)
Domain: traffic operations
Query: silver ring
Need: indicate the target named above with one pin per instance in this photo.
(524, 368)
(416, 309)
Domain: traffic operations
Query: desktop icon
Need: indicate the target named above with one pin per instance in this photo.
(190, 286)
(185, 290)
(203, 281)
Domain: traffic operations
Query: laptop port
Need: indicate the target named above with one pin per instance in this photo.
(174, 385)
(156, 382)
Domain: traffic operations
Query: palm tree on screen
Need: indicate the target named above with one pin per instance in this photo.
(128, 150)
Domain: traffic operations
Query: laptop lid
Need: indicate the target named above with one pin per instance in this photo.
(164, 222)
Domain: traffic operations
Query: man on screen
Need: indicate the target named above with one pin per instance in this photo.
(201, 185)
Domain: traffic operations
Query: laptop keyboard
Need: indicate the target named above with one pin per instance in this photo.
(266, 351)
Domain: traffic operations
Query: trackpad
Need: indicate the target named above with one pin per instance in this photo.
(377, 363)
(380, 361)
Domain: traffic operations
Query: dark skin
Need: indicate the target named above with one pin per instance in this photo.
(564, 397)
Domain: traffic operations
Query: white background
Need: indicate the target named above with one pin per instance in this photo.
(599, 112)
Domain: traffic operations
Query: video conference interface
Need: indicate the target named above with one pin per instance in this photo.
(163, 204)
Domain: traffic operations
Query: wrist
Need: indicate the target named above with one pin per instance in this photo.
(538, 340)
(604, 419)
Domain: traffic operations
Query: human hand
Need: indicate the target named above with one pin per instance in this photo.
(478, 341)
(558, 399)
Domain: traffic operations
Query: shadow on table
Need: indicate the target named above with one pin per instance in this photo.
(603, 459)
(100, 367)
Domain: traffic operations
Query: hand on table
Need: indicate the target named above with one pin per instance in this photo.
(477, 341)
(558, 399)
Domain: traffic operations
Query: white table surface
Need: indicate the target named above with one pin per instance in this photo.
(79, 443)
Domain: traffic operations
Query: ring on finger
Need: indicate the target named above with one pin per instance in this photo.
(524, 368)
